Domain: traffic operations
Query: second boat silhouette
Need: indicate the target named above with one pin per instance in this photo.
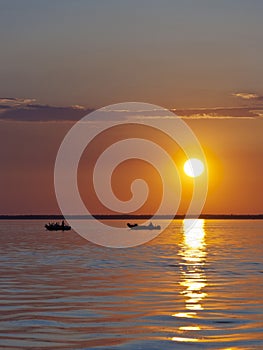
(144, 227)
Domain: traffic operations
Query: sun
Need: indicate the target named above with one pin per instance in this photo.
(193, 167)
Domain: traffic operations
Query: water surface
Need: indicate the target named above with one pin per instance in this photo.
(197, 289)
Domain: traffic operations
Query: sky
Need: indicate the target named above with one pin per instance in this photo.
(62, 59)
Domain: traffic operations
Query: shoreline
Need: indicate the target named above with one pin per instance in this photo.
(133, 217)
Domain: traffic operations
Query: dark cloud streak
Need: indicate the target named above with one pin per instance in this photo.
(12, 109)
(27, 110)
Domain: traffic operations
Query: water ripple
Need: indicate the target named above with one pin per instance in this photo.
(199, 290)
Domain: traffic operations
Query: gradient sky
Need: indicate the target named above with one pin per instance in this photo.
(61, 58)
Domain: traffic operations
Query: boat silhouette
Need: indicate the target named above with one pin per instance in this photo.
(144, 227)
(55, 226)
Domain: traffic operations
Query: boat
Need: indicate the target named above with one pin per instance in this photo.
(144, 227)
(132, 225)
(55, 226)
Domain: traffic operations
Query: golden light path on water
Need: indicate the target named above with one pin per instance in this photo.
(193, 259)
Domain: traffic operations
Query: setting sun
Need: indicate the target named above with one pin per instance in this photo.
(193, 167)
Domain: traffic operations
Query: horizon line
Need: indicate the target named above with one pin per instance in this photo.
(128, 216)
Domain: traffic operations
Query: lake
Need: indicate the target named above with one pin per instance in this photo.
(197, 289)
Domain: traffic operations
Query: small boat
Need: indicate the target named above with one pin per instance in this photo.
(143, 227)
(132, 225)
(55, 226)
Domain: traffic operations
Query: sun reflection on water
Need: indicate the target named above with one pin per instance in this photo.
(193, 256)
(193, 259)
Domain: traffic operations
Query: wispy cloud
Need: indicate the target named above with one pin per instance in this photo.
(78, 107)
(19, 109)
(11, 102)
(248, 96)
(220, 113)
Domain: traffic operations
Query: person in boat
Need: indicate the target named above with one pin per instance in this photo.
(150, 224)
(63, 224)
(131, 225)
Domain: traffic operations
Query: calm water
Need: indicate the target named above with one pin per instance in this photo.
(197, 290)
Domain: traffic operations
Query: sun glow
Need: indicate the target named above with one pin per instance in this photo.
(193, 167)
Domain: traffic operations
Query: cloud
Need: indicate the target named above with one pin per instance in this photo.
(220, 113)
(27, 110)
(248, 96)
(18, 109)
(78, 107)
(15, 102)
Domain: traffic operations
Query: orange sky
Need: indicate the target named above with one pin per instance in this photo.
(234, 150)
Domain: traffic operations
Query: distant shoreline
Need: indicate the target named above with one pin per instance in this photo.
(134, 217)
